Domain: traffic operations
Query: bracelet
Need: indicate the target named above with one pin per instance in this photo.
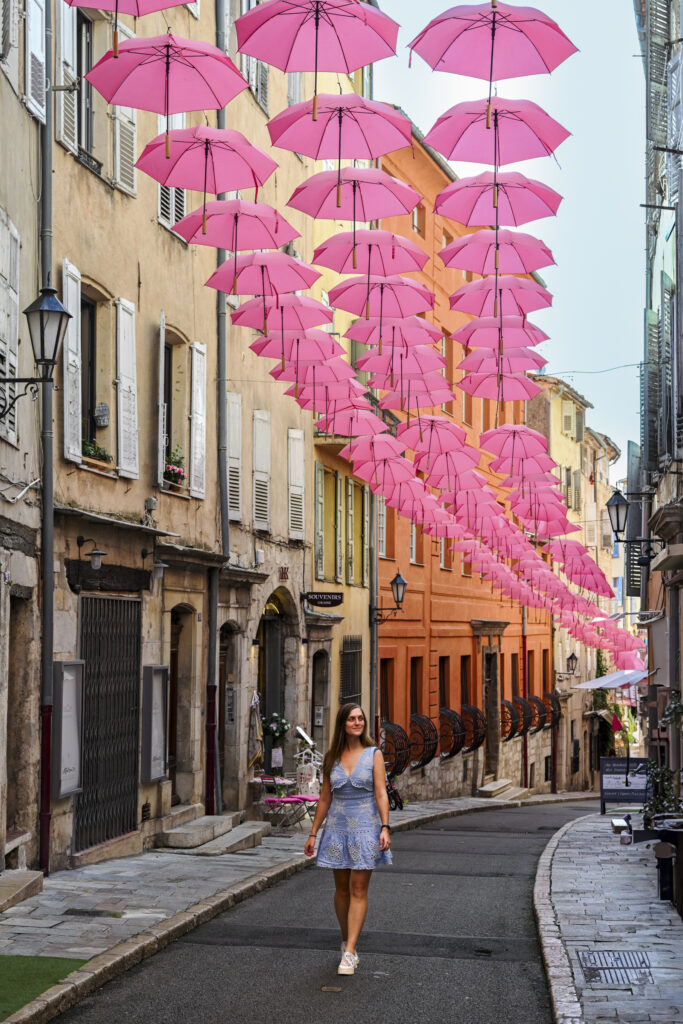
(312, 835)
(388, 827)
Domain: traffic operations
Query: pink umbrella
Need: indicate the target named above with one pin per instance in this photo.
(414, 362)
(317, 375)
(235, 224)
(419, 393)
(513, 360)
(501, 387)
(288, 312)
(316, 35)
(385, 473)
(342, 394)
(521, 131)
(522, 465)
(357, 193)
(434, 435)
(262, 273)
(488, 251)
(167, 74)
(511, 438)
(206, 159)
(367, 449)
(393, 331)
(508, 198)
(136, 8)
(445, 467)
(348, 126)
(487, 332)
(351, 422)
(500, 296)
(311, 346)
(379, 296)
(375, 252)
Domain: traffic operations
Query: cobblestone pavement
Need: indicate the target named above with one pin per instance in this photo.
(604, 899)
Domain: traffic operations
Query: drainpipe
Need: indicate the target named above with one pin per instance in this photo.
(525, 694)
(375, 709)
(48, 496)
(213, 788)
(554, 727)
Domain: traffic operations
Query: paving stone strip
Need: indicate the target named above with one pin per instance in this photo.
(119, 912)
(596, 901)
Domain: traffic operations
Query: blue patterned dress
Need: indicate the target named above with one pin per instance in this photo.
(350, 838)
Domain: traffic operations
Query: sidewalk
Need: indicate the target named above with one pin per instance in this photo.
(594, 897)
(119, 912)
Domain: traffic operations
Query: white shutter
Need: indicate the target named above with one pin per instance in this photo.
(319, 542)
(576, 490)
(171, 200)
(162, 412)
(338, 527)
(297, 481)
(66, 64)
(125, 138)
(261, 470)
(591, 525)
(262, 72)
(127, 398)
(366, 536)
(234, 456)
(293, 88)
(71, 298)
(8, 28)
(34, 62)
(9, 319)
(193, 8)
(198, 422)
(350, 514)
(568, 411)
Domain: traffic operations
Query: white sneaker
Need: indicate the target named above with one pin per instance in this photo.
(343, 950)
(347, 964)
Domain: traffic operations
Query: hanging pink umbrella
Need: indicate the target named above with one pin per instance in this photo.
(375, 252)
(521, 131)
(487, 332)
(168, 75)
(506, 295)
(398, 494)
(521, 465)
(513, 438)
(288, 312)
(262, 273)
(351, 422)
(235, 224)
(206, 160)
(513, 360)
(381, 296)
(385, 473)
(316, 35)
(507, 198)
(433, 435)
(394, 331)
(367, 449)
(311, 346)
(348, 125)
(420, 393)
(488, 251)
(342, 394)
(500, 387)
(444, 468)
(414, 362)
(317, 375)
(136, 8)
(357, 193)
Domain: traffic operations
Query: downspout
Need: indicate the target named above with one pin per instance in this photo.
(213, 780)
(525, 695)
(375, 708)
(48, 496)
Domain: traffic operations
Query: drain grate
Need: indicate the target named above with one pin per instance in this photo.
(616, 967)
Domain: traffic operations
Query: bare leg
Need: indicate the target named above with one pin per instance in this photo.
(341, 899)
(358, 906)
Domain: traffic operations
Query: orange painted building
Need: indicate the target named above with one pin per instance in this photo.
(456, 643)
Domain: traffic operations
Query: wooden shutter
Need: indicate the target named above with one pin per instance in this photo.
(262, 71)
(8, 28)
(568, 409)
(234, 456)
(319, 532)
(66, 64)
(261, 470)
(171, 200)
(338, 527)
(161, 404)
(576, 490)
(591, 525)
(350, 540)
(606, 539)
(125, 139)
(198, 422)
(297, 482)
(34, 65)
(194, 8)
(580, 424)
(126, 392)
(675, 128)
(366, 536)
(293, 88)
(71, 299)
(381, 527)
(650, 392)
(9, 320)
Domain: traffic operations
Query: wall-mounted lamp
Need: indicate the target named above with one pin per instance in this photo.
(398, 592)
(95, 556)
(158, 569)
(572, 663)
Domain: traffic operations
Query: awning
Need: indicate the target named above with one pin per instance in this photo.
(626, 677)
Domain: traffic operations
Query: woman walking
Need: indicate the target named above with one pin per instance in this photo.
(356, 836)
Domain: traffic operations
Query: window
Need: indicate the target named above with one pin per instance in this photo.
(416, 544)
(84, 31)
(168, 397)
(413, 543)
(467, 407)
(445, 554)
(328, 549)
(357, 533)
(8, 28)
(444, 681)
(358, 350)
(568, 418)
(9, 319)
(126, 390)
(34, 62)
(547, 768)
(124, 120)
(261, 470)
(255, 71)
(386, 688)
(465, 567)
(171, 200)
(415, 685)
(420, 220)
(381, 526)
(530, 672)
(367, 81)
(605, 530)
(464, 679)
(486, 405)
(514, 676)
(88, 369)
(350, 688)
(545, 657)
(197, 474)
(234, 456)
(293, 88)
(325, 299)
(297, 481)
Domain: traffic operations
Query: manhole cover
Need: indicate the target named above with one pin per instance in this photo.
(616, 967)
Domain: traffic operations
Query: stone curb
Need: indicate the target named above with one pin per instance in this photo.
(564, 997)
(117, 960)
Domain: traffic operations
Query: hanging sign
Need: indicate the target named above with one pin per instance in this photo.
(67, 728)
(324, 600)
(620, 783)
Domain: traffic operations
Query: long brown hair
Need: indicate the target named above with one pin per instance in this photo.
(338, 743)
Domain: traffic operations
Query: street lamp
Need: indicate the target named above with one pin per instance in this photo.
(572, 662)
(398, 592)
(95, 555)
(617, 507)
(47, 322)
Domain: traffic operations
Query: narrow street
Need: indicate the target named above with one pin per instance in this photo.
(450, 936)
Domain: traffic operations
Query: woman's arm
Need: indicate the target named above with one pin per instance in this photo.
(320, 815)
(381, 798)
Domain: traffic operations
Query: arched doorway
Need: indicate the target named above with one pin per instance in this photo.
(278, 665)
(320, 699)
(180, 700)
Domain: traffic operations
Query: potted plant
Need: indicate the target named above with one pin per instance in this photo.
(174, 469)
(276, 726)
(95, 455)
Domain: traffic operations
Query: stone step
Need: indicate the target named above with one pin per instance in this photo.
(514, 793)
(181, 814)
(16, 886)
(199, 832)
(495, 788)
(242, 837)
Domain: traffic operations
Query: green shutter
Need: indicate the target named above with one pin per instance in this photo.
(366, 535)
(338, 531)
(349, 529)
(319, 544)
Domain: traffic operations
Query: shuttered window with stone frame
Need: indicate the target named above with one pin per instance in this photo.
(296, 484)
(261, 471)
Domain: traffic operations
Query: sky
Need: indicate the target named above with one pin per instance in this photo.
(598, 236)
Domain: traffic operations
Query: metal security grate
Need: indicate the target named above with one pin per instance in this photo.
(616, 967)
(351, 669)
(110, 647)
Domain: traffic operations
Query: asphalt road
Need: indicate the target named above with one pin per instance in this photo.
(450, 937)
